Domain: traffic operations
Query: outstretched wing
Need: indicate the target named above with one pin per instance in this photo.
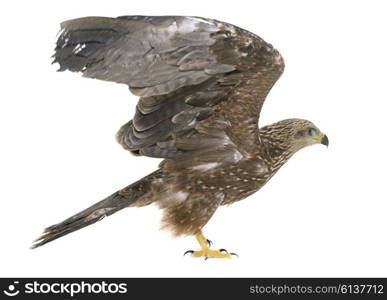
(202, 82)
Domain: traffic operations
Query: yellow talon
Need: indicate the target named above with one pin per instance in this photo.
(207, 252)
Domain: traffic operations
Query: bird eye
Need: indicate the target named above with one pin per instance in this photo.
(312, 132)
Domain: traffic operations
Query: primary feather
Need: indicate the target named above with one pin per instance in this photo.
(182, 67)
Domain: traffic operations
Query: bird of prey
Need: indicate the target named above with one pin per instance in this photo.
(202, 84)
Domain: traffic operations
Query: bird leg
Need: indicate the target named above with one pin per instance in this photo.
(206, 252)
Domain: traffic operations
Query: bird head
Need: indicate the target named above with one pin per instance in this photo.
(295, 134)
(301, 133)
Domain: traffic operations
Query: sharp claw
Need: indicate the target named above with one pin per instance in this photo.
(209, 242)
(206, 258)
(189, 251)
(223, 250)
(234, 254)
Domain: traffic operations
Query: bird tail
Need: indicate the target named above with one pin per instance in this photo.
(121, 199)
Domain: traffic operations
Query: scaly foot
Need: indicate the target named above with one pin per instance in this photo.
(210, 253)
(206, 252)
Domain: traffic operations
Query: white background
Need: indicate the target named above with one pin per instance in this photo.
(323, 214)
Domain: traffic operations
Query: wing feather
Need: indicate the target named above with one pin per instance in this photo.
(202, 82)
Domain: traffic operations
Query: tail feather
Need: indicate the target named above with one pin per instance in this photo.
(87, 217)
(115, 202)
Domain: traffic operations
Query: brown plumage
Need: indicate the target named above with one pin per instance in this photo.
(202, 85)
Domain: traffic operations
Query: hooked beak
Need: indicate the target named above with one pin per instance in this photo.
(323, 139)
